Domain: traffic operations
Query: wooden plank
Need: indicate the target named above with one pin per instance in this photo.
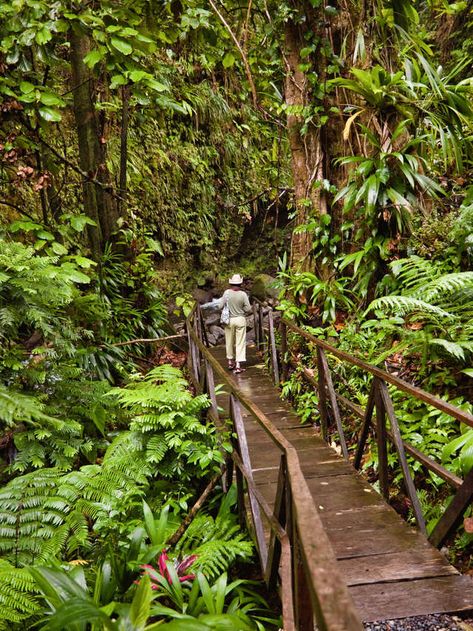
(395, 566)
(375, 529)
(322, 468)
(379, 516)
(338, 492)
(385, 601)
(305, 442)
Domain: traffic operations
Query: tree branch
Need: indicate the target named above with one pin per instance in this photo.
(173, 539)
(249, 76)
(145, 340)
(18, 208)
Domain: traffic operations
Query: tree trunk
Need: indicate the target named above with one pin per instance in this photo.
(124, 146)
(98, 204)
(307, 153)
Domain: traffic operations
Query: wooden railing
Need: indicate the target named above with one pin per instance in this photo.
(378, 411)
(298, 559)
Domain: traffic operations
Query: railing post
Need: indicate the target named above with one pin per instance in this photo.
(333, 402)
(381, 440)
(193, 357)
(272, 346)
(284, 363)
(322, 396)
(203, 332)
(237, 419)
(256, 324)
(454, 512)
(261, 328)
(211, 388)
(397, 440)
(365, 428)
(274, 553)
(303, 604)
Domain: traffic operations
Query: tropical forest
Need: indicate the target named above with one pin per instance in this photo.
(321, 151)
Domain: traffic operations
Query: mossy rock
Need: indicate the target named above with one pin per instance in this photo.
(264, 286)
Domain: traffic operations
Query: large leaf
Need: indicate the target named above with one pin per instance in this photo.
(121, 45)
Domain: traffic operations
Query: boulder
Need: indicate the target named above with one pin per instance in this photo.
(264, 287)
(217, 331)
(211, 339)
(211, 318)
(250, 336)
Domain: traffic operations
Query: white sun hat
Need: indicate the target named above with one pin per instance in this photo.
(236, 279)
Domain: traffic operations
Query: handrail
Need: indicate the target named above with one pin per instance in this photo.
(379, 407)
(329, 600)
(426, 461)
(418, 393)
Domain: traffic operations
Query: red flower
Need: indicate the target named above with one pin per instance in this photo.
(162, 569)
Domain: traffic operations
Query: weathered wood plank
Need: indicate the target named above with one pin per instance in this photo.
(395, 566)
(384, 601)
(339, 492)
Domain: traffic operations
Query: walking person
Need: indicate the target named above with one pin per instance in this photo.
(234, 304)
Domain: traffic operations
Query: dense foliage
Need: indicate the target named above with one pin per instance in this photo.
(146, 148)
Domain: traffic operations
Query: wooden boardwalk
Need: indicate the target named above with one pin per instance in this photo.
(391, 569)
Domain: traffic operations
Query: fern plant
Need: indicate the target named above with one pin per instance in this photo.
(216, 542)
(166, 435)
(436, 307)
(18, 596)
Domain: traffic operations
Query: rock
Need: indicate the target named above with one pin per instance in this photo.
(264, 287)
(250, 323)
(217, 331)
(211, 339)
(211, 318)
(250, 336)
(201, 295)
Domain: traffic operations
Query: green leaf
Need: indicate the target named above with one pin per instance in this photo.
(121, 45)
(137, 75)
(156, 85)
(78, 222)
(58, 248)
(44, 234)
(93, 58)
(99, 417)
(43, 36)
(228, 61)
(26, 87)
(49, 114)
(140, 606)
(118, 79)
(49, 98)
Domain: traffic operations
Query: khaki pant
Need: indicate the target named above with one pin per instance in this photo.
(235, 338)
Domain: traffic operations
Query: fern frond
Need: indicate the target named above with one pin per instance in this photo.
(404, 305)
(442, 287)
(18, 600)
